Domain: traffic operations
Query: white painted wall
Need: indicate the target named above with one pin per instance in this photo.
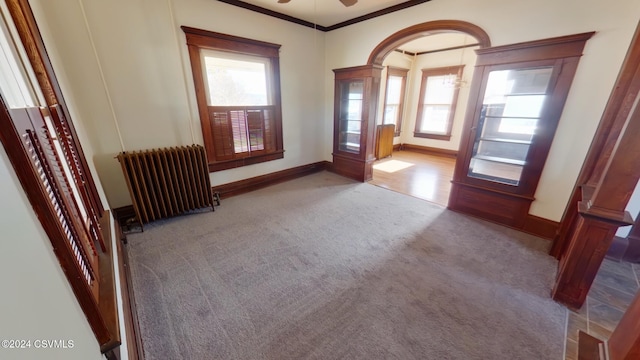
(509, 22)
(148, 78)
(430, 61)
(37, 301)
(145, 72)
(633, 207)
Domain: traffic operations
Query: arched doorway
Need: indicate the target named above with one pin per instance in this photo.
(433, 183)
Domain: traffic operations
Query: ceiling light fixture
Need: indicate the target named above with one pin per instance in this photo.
(346, 3)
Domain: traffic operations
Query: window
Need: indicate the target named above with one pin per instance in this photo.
(438, 98)
(41, 143)
(394, 97)
(238, 93)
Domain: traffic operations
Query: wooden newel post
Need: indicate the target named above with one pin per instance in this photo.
(600, 213)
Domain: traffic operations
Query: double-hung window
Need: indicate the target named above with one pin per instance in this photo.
(437, 104)
(394, 97)
(238, 93)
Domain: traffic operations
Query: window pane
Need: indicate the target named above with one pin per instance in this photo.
(524, 106)
(239, 81)
(394, 89)
(390, 114)
(440, 89)
(435, 119)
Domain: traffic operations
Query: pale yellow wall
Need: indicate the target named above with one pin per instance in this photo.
(142, 63)
(37, 302)
(509, 22)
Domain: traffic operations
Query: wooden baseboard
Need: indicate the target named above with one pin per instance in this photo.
(541, 227)
(132, 327)
(428, 150)
(258, 182)
(397, 147)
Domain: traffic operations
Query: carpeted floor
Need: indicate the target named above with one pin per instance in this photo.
(325, 268)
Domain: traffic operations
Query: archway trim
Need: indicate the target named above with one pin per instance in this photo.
(429, 28)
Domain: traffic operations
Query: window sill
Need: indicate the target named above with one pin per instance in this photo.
(236, 163)
(432, 136)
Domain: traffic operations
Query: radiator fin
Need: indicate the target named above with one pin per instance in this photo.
(167, 182)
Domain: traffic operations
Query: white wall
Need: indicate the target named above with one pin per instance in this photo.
(143, 68)
(148, 78)
(633, 207)
(430, 61)
(509, 22)
(37, 301)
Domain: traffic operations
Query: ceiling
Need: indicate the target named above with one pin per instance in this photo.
(329, 13)
(325, 12)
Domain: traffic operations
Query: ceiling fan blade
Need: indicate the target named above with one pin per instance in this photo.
(348, 3)
(283, 1)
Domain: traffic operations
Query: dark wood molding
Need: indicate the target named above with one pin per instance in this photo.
(541, 227)
(375, 14)
(429, 28)
(235, 163)
(33, 44)
(132, 327)
(447, 49)
(258, 182)
(440, 71)
(108, 301)
(589, 347)
(405, 52)
(274, 14)
(545, 49)
(397, 147)
(295, 20)
(427, 150)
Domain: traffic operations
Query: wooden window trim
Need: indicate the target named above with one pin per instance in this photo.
(423, 88)
(198, 39)
(29, 33)
(98, 304)
(399, 72)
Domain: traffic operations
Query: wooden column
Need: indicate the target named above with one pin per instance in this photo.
(605, 184)
(600, 212)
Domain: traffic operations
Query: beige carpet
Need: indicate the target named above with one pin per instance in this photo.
(325, 268)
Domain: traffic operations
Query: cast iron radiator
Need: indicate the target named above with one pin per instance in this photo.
(167, 182)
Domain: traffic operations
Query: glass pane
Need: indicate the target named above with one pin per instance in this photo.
(394, 89)
(351, 95)
(495, 171)
(440, 89)
(390, 114)
(512, 106)
(435, 119)
(238, 81)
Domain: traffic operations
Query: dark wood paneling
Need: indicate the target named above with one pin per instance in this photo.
(494, 206)
(357, 169)
(588, 347)
(258, 182)
(541, 227)
(428, 150)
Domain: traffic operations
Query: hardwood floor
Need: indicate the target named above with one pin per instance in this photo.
(421, 175)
